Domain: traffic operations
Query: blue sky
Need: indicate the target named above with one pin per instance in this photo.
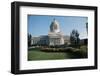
(40, 24)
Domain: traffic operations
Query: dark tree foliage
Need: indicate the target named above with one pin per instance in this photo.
(74, 38)
(29, 39)
(87, 27)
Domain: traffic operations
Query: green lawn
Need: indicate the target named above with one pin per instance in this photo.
(40, 55)
(36, 54)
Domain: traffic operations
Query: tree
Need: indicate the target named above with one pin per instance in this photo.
(29, 39)
(87, 27)
(74, 38)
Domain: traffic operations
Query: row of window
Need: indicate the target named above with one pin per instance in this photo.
(52, 41)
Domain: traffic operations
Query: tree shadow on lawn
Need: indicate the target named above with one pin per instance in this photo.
(76, 54)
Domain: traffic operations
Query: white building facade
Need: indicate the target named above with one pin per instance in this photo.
(54, 37)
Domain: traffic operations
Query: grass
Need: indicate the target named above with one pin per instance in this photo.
(40, 55)
(37, 54)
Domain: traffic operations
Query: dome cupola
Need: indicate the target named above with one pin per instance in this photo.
(54, 27)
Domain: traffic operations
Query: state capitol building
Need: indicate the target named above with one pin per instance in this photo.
(55, 36)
